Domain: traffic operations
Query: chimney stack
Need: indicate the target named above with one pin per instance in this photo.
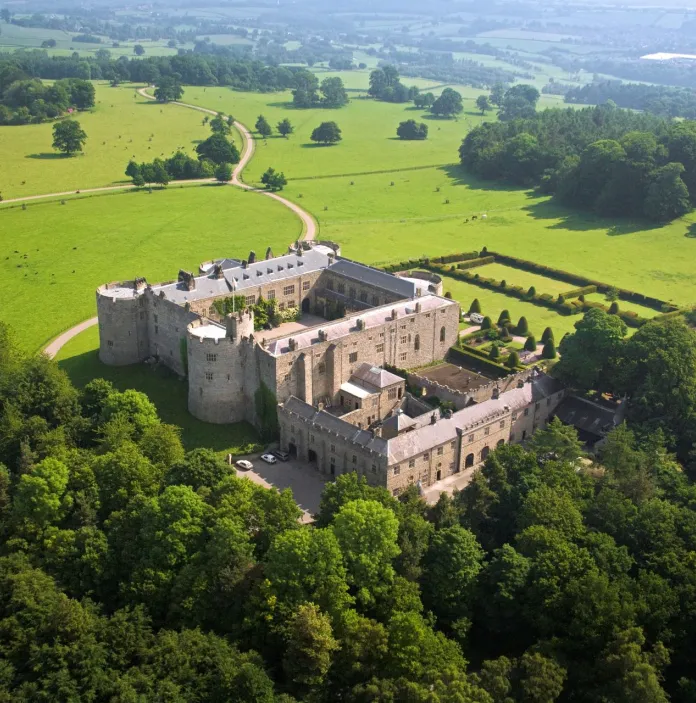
(433, 419)
(269, 253)
(252, 257)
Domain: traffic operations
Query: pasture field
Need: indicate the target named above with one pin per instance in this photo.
(626, 305)
(492, 304)
(59, 254)
(369, 134)
(123, 125)
(80, 359)
(380, 223)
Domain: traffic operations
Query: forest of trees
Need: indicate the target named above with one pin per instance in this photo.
(131, 569)
(25, 101)
(659, 100)
(613, 161)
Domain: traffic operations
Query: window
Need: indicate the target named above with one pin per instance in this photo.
(281, 306)
(442, 334)
(212, 358)
(411, 463)
(352, 357)
(363, 297)
(536, 407)
(286, 377)
(109, 344)
(440, 451)
(514, 416)
(381, 335)
(526, 412)
(305, 285)
(502, 424)
(156, 329)
(250, 299)
(471, 437)
(425, 456)
(453, 445)
(322, 368)
(374, 468)
(289, 290)
(271, 295)
(156, 318)
(402, 357)
(484, 453)
(379, 348)
(355, 459)
(416, 343)
(330, 284)
(403, 327)
(404, 339)
(351, 292)
(487, 431)
(341, 287)
(333, 447)
(291, 303)
(375, 300)
(208, 375)
(391, 393)
(142, 315)
(427, 316)
(311, 438)
(397, 470)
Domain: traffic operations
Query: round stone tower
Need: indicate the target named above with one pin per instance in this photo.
(217, 357)
(123, 330)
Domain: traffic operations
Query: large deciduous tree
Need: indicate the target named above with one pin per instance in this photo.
(68, 137)
(327, 133)
(218, 149)
(448, 104)
(410, 129)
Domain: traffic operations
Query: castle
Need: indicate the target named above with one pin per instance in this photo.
(337, 406)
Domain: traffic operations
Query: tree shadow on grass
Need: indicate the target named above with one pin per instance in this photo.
(582, 221)
(691, 232)
(307, 145)
(287, 105)
(48, 156)
(461, 177)
(168, 392)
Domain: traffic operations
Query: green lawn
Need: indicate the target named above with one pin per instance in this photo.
(492, 304)
(118, 129)
(379, 223)
(73, 248)
(623, 305)
(80, 360)
(517, 277)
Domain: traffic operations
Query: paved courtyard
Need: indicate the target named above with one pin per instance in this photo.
(286, 328)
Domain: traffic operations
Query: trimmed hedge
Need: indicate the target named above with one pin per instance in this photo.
(478, 363)
(473, 263)
(575, 292)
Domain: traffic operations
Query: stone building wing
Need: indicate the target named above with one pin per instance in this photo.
(374, 277)
(375, 376)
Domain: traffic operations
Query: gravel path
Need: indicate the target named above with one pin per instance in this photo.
(59, 342)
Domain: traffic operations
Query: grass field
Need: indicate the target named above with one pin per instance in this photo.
(517, 277)
(492, 304)
(79, 358)
(118, 129)
(58, 254)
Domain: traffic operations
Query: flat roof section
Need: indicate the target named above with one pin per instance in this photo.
(211, 331)
(355, 391)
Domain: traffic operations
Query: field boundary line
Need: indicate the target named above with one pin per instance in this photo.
(370, 173)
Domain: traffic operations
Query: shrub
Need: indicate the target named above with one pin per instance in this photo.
(614, 308)
(561, 298)
(494, 353)
(581, 297)
(505, 334)
(473, 263)
(503, 283)
(475, 306)
(448, 295)
(487, 323)
(504, 315)
(513, 360)
(522, 327)
(531, 292)
(549, 351)
(530, 344)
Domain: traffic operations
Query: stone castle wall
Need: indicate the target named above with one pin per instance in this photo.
(123, 328)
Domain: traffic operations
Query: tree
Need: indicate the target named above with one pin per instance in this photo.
(667, 197)
(273, 180)
(334, 92)
(327, 133)
(549, 350)
(483, 104)
(530, 343)
(367, 534)
(522, 327)
(424, 100)
(223, 173)
(132, 170)
(504, 318)
(519, 102)
(487, 323)
(475, 306)
(614, 308)
(159, 173)
(310, 647)
(220, 125)
(305, 93)
(68, 137)
(547, 334)
(168, 89)
(497, 94)
(410, 129)
(138, 50)
(218, 149)
(588, 353)
(494, 353)
(263, 128)
(513, 360)
(285, 127)
(448, 104)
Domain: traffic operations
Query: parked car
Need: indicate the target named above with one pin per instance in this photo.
(476, 318)
(269, 459)
(280, 455)
(244, 465)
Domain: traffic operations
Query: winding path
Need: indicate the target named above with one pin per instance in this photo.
(309, 224)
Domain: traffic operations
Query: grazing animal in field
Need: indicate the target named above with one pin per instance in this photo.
(484, 217)
(475, 217)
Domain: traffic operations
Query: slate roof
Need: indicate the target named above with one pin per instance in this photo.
(374, 277)
(425, 435)
(375, 376)
(398, 422)
(586, 416)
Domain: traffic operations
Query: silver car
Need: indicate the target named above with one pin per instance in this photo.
(269, 459)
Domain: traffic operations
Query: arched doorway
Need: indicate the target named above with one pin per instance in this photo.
(292, 450)
(484, 453)
(501, 443)
(469, 461)
(312, 456)
(305, 305)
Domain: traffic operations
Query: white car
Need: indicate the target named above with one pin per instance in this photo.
(269, 459)
(244, 465)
